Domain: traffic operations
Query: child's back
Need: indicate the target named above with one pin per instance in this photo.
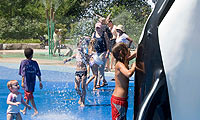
(29, 69)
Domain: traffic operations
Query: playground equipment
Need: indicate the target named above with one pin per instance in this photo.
(52, 6)
(50, 25)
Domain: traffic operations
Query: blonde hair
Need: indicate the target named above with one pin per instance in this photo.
(91, 45)
(10, 83)
(119, 51)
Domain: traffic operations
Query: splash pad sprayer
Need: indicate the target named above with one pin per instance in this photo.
(50, 25)
(50, 20)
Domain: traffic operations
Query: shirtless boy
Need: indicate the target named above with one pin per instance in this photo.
(119, 103)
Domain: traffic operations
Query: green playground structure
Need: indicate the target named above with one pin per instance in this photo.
(50, 25)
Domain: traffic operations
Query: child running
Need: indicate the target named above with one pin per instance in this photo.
(81, 72)
(119, 103)
(14, 100)
(29, 69)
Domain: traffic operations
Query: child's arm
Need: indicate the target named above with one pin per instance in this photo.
(128, 73)
(131, 41)
(22, 82)
(41, 86)
(69, 59)
(9, 102)
(13, 103)
(25, 104)
(132, 55)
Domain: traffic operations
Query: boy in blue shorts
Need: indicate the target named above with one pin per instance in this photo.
(29, 69)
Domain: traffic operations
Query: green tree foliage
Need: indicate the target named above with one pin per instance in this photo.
(24, 19)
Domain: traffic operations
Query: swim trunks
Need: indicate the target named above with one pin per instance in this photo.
(80, 74)
(119, 108)
(28, 95)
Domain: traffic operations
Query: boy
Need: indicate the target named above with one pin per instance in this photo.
(14, 100)
(81, 71)
(119, 97)
(29, 69)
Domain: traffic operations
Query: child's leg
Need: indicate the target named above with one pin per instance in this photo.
(107, 67)
(9, 116)
(59, 49)
(77, 85)
(19, 117)
(95, 82)
(88, 71)
(83, 86)
(101, 69)
(34, 107)
(98, 79)
(90, 79)
(24, 110)
(55, 48)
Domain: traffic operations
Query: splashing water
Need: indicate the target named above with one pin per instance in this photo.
(57, 116)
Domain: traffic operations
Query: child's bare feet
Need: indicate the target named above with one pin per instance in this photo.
(98, 86)
(35, 113)
(94, 88)
(23, 112)
(79, 102)
(82, 104)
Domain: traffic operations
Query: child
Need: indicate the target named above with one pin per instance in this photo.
(94, 64)
(57, 41)
(29, 69)
(81, 72)
(14, 100)
(119, 97)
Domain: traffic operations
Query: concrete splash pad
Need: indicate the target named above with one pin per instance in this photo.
(58, 99)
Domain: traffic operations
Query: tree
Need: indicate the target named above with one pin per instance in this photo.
(26, 19)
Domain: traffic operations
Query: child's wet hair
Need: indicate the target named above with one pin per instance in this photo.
(28, 52)
(119, 51)
(10, 83)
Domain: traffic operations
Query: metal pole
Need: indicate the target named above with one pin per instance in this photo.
(52, 42)
(49, 42)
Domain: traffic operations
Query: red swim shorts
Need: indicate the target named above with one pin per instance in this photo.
(28, 95)
(119, 108)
